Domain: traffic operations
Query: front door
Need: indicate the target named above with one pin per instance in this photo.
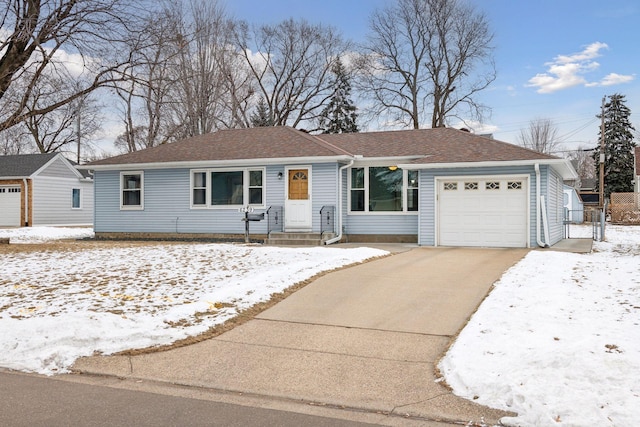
(297, 208)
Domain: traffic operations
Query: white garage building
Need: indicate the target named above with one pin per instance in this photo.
(43, 189)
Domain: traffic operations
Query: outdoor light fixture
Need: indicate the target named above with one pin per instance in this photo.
(392, 168)
(280, 175)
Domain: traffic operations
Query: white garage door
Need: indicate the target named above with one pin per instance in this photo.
(9, 206)
(487, 212)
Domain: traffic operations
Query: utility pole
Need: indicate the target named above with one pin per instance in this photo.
(602, 157)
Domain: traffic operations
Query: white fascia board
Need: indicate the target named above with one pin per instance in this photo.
(219, 163)
(3, 178)
(562, 166)
(369, 161)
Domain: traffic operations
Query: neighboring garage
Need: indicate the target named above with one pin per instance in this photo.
(489, 211)
(43, 189)
(9, 206)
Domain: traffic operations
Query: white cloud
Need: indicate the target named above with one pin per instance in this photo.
(567, 71)
(614, 79)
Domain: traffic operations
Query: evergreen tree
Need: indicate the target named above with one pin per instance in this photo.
(262, 117)
(618, 147)
(340, 115)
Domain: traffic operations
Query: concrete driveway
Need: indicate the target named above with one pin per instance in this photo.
(361, 341)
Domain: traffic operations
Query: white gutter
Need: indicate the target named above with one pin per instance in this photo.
(538, 208)
(26, 202)
(216, 163)
(339, 236)
(563, 166)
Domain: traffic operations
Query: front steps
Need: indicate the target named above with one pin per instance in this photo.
(298, 239)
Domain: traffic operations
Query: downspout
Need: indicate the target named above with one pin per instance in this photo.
(26, 202)
(339, 236)
(538, 208)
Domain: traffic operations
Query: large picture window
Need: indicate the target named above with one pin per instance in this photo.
(132, 190)
(227, 188)
(383, 189)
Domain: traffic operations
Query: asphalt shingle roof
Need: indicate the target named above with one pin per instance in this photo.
(442, 145)
(23, 165)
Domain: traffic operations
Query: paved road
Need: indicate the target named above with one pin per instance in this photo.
(27, 400)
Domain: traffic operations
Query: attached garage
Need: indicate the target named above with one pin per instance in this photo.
(9, 206)
(485, 211)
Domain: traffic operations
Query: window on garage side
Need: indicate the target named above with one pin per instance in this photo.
(75, 198)
(132, 190)
(357, 190)
(383, 189)
(412, 191)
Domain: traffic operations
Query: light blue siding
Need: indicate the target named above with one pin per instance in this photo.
(402, 224)
(167, 203)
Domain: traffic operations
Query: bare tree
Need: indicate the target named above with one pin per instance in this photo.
(583, 162)
(188, 79)
(68, 124)
(541, 136)
(43, 34)
(15, 141)
(424, 53)
(291, 63)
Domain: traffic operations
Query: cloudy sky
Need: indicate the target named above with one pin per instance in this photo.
(555, 59)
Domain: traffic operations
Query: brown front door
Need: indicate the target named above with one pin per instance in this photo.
(298, 184)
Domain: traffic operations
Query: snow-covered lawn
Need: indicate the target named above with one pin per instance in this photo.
(59, 303)
(558, 339)
(44, 234)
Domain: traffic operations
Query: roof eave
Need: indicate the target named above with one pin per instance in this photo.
(218, 163)
(562, 166)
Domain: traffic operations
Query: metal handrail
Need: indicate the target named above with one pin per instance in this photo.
(327, 219)
(274, 219)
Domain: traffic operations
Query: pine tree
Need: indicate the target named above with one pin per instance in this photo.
(262, 117)
(340, 115)
(618, 147)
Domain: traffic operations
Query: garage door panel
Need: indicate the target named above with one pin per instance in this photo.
(487, 212)
(10, 206)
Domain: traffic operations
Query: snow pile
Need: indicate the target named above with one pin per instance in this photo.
(557, 341)
(56, 306)
(43, 234)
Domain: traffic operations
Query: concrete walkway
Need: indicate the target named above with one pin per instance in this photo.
(366, 339)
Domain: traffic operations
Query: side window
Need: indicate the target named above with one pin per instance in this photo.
(255, 187)
(412, 191)
(199, 189)
(75, 198)
(357, 189)
(131, 190)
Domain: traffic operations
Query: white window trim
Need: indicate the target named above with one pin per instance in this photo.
(245, 187)
(132, 207)
(79, 199)
(405, 180)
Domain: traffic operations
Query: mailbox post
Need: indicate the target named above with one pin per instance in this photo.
(249, 216)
